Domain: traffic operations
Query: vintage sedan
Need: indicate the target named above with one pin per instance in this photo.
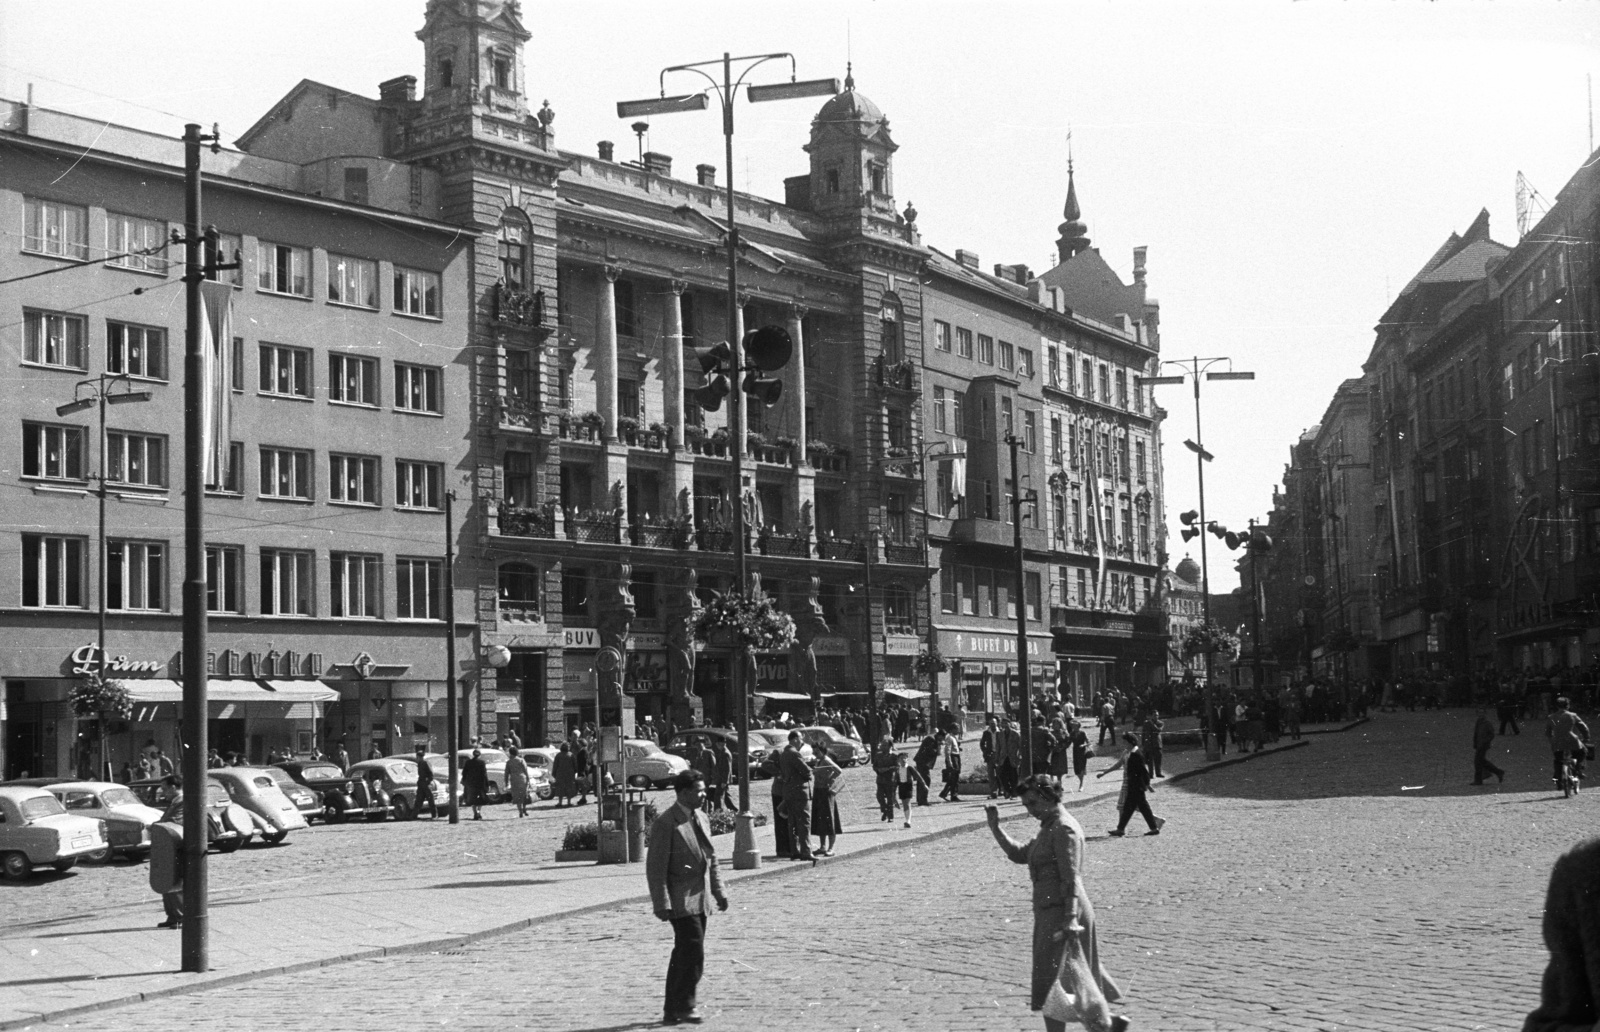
(303, 798)
(37, 831)
(228, 825)
(648, 765)
(127, 819)
(844, 750)
(777, 740)
(258, 792)
(680, 742)
(398, 777)
(343, 796)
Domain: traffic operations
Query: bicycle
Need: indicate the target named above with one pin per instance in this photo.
(1571, 779)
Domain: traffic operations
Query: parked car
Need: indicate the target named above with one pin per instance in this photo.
(399, 779)
(127, 819)
(228, 825)
(37, 831)
(343, 796)
(495, 760)
(777, 740)
(541, 761)
(845, 751)
(304, 799)
(258, 792)
(648, 766)
(755, 745)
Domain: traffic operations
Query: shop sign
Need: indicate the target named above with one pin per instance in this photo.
(831, 645)
(901, 645)
(86, 661)
(646, 673)
(964, 645)
(772, 673)
(589, 638)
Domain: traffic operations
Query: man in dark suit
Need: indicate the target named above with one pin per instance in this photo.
(678, 863)
(1136, 781)
(425, 780)
(796, 774)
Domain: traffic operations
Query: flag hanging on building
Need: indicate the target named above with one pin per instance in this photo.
(216, 299)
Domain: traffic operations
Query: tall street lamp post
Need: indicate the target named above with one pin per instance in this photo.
(1195, 367)
(1019, 593)
(98, 393)
(745, 854)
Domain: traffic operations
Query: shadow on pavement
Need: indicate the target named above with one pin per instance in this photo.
(94, 931)
(503, 883)
(620, 1028)
(54, 979)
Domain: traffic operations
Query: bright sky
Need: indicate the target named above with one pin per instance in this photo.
(1289, 164)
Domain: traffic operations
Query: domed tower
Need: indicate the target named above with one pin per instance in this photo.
(852, 158)
(1189, 570)
(1074, 234)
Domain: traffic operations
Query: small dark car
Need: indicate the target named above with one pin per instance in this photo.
(343, 796)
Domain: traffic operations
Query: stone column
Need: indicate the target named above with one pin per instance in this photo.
(605, 327)
(737, 396)
(795, 381)
(672, 367)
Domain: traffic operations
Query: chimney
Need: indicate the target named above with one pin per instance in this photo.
(969, 259)
(705, 175)
(606, 150)
(1138, 263)
(397, 90)
(1014, 273)
(660, 164)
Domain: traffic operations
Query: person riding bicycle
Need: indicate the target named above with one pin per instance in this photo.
(1568, 735)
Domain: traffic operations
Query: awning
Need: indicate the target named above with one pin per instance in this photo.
(783, 696)
(163, 690)
(906, 693)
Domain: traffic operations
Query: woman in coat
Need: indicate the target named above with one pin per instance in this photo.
(825, 823)
(517, 780)
(564, 776)
(1080, 751)
(1061, 908)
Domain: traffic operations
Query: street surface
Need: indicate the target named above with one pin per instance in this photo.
(1357, 883)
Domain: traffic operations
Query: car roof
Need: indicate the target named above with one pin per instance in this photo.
(21, 792)
(86, 786)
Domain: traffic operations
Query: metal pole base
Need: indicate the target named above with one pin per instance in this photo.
(746, 857)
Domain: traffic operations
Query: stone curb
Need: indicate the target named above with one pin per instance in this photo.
(777, 869)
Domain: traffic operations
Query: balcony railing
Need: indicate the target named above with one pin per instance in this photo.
(828, 458)
(710, 447)
(793, 545)
(521, 412)
(897, 376)
(569, 429)
(660, 535)
(524, 522)
(517, 611)
(844, 549)
(906, 552)
(514, 307)
(595, 527)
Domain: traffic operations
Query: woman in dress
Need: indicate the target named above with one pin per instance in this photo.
(1080, 751)
(1061, 908)
(564, 776)
(825, 775)
(517, 779)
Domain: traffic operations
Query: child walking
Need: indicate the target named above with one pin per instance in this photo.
(906, 779)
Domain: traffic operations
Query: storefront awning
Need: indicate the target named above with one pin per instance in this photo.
(906, 693)
(163, 690)
(783, 696)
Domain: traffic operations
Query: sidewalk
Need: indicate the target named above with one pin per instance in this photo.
(86, 964)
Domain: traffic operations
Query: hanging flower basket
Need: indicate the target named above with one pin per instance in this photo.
(1209, 638)
(929, 661)
(107, 700)
(736, 619)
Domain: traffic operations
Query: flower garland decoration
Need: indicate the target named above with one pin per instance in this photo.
(104, 699)
(1209, 638)
(931, 661)
(754, 623)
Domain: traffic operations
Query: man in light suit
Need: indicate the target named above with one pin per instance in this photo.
(679, 861)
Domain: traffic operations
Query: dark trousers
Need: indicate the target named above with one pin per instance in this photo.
(886, 795)
(783, 841)
(688, 963)
(1154, 756)
(1510, 718)
(172, 903)
(926, 770)
(952, 784)
(797, 807)
(1107, 729)
(425, 799)
(1008, 778)
(1136, 803)
(1481, 767)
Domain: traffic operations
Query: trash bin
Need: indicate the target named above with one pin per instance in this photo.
(613, 844)
(636, 829)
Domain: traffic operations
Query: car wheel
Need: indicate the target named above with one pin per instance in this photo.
(63, 866)
(491, 793)
(230, 845)
(274, 837)
(99, 856)
(402, 808)
(641, 781)
(331, 815)
(15, 866)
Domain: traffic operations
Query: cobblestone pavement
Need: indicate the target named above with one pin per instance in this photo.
(1359, 883)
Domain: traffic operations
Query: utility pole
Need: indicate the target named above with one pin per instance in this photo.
(452, 732)
(1020, 594)
(1255, 608)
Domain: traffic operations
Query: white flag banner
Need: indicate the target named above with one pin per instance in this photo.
(216, 301)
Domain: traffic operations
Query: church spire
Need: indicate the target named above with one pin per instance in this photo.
(1074, 234)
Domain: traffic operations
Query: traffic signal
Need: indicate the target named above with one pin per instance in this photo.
(766, 349)
(1260, 541)
(1189, 529)
(716, 364)
(1218, 530)
(763, 389)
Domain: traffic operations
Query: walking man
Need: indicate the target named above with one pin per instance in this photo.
(988, 745)
(927, 756)
(1108, 721)
(950, 750)
(1506, 710)
(678, 864)
(425, 782)
(475, 783)
(1482, 738)
(797, 783)
(721, 775)
(1153, 726)
(1136, 788)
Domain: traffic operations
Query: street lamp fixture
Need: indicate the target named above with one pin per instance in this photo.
(745, 854)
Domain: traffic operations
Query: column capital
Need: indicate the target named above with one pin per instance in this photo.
(798, 310)
(678, 286)
(612, 271)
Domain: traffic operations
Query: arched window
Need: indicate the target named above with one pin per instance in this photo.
(447, 73)
(516, 235)
(889, 331)
(519, 595)
(500, 68)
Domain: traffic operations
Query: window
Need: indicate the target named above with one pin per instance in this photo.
(889, 334)
(353, 479)
(355, 584)
(223, 586)
(419, 485)
(941, 335)
(1008, 356)
(958, 415)
(285, 371)
(233, 478)
(355, 185)
(1122, 388)
(1105, 385)
(985, 349)
(419, 589)
(575, 591)
(137, 459)
(352, 380)
(1030, 430)
(135, 243)
(647, 596)
(939, 422)
(1053, 366)
(136, 350)
(237, 359)
(281, 269)
(56, 229)
(285, 582)
(1035, 587)
(1144, 534)
(52, 452)
(519, 592)
(899, 428)
(1055, 441)
(52, 572)
(630, 400)
(502, 71)
(1122, 459)
(416, 388)
(416, 292)
(947, 590)
(1139, 461)
(1083, 588)
(1088, 379)
(967, 589)
(352, 281)
(285, 473)
(1005, 417)
(514, 234)
(54, 339)
(963, 342)
(519, 479)
(135, 576)
(1025, 363)
(627, 312)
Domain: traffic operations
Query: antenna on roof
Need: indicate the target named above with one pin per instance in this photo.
(1531, 205)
